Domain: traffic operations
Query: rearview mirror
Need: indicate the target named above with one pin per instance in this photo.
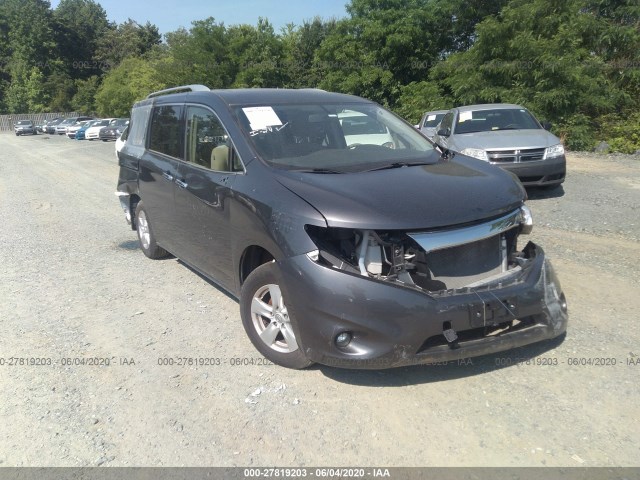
(443, 132)
(546, 125)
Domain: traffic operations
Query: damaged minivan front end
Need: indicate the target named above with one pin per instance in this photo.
(401, 298)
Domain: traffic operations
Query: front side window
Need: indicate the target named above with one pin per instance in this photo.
(447, 121)
(337, 137)
(166, 134)
(208, 143)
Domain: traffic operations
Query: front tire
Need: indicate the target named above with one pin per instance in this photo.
(148, 243)
(266, 319)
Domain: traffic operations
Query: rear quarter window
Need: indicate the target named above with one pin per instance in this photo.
(166, 134)
(138, 126)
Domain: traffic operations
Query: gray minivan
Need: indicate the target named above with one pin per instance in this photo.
(355, 254)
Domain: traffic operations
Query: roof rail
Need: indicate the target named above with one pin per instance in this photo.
(183, 88)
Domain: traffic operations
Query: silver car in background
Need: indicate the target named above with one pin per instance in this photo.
(430, 121)
(508, 136)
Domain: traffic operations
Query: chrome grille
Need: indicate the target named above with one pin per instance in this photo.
(516, 156)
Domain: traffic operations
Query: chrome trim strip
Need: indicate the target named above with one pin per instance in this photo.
(431, 241)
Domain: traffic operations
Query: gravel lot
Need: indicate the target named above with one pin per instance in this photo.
(73, 285)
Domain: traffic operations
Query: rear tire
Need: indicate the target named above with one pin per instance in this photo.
(147, 239)
(266, 319)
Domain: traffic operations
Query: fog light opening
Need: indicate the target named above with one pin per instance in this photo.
(563, 303)
(343, 339)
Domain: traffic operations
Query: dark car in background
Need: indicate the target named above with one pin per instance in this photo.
(508, 136)
(50, 126)
(362, 255)
(24, 127)
(114, 129)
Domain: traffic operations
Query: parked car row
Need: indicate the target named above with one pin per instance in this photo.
(505, 135)
(78, 128)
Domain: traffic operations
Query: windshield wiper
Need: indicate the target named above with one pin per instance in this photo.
(398, 165)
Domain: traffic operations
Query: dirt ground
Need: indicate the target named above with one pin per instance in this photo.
(74, 288)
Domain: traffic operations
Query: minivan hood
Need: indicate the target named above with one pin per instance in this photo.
(422, 197)
(506, 139)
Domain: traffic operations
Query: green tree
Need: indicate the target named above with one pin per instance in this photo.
(197, 55)
(80, 26)
(419, 97)
(124, 85)
(84, 99)
(60, 89)
(129, 39)
(300, 46)
(386, 45)
(257, 54)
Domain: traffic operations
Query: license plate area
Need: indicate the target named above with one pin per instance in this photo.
(493, 311)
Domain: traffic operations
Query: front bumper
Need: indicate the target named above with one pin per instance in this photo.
(538, 173)
(395, 326)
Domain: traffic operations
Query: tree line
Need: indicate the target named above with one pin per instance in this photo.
(575, 63)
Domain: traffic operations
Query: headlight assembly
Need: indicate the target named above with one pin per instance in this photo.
(478, 153)
(554, 151)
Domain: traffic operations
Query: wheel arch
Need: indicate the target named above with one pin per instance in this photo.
(252, 257)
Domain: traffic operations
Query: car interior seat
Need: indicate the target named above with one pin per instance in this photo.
(220, 158)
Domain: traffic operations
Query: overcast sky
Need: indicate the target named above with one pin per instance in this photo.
(170, 15)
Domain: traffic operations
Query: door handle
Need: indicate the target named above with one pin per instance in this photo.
(181, 184)
(167, 176)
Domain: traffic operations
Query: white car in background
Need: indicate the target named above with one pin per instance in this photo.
(121, 140)
(71, 130)
(361, 129)
(93, 133)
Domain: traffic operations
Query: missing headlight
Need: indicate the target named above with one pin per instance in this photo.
(397, 257)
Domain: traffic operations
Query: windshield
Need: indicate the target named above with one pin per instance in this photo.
(334, 137)
(432, 120)
(24, 122)
(497, 119)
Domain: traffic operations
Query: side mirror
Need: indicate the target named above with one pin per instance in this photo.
(443, 132)
(546, 125)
